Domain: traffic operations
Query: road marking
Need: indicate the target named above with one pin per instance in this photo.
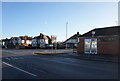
(20, 69)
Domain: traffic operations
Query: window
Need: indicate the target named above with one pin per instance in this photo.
(23, 41)
(93, 43)
(46, 41)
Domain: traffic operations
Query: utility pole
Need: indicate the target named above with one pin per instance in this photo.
(66, 33)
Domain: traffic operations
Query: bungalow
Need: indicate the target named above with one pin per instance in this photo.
(100, 41)
(72, 42)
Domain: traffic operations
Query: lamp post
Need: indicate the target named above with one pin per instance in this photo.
(93, 33)
(66, 33)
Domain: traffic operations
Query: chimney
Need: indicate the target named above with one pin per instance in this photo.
(40, 33)
(77, 33)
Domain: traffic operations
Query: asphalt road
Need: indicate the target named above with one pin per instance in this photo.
(23, 64)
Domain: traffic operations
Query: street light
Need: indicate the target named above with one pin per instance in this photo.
(66, 34)
(93, 33)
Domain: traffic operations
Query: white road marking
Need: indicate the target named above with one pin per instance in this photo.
(20, 69)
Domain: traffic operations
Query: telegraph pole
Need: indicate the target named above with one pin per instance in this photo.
(66, 33)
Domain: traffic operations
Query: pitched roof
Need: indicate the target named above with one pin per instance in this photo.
(42, 36)
(75, 36)
(12, 38)
(106, 31)
(6, 39)
(53, 37)
(25, 38)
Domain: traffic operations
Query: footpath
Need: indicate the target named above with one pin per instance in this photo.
(95, 57)
(105, 58)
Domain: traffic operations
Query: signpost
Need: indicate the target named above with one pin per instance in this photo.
(93, 33)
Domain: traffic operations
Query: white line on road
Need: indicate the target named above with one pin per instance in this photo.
(20, 69)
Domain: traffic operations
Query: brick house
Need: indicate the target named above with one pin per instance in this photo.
(72, 42)
(105, 41)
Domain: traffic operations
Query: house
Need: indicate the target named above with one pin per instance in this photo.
(41, 41)
(5, 42)
(0, 43)
(53, 38)
(34, 42)
(72, 42)
(100, 41)
(14, 40)
(24, 41)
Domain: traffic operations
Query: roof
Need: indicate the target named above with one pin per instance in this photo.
(42, 36)
(75, 36)
(25, 38)
(53, 37)
(106, 31)
(6, 39)
(13, 38)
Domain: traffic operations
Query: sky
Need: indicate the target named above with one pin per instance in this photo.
(49, 18)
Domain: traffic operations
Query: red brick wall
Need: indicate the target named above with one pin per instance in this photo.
(108, 47)
(111, 47)
(80, 48)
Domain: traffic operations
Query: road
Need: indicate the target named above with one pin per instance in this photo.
(23, 64)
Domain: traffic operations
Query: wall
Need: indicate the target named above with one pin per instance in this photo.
(80, 47)
(109, 47)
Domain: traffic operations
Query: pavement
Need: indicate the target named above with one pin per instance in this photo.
(90, 57)
(23, 64)
(73, 54)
